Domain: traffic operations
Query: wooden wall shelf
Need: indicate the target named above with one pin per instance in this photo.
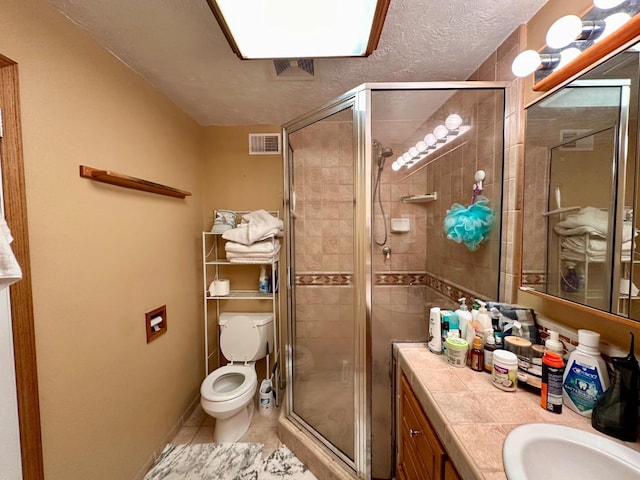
(106, 176)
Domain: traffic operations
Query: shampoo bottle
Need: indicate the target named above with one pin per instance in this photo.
(464, 317)
(585, 378)
(435, 332)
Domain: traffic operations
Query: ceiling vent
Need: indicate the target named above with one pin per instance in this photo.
(264, 143)
(302, 69)
(576, 140)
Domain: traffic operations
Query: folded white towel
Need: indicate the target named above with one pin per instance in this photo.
(10, 271)
(271, 255)
(593, 221)
(265, 246)
(256, 260)
(255, 226)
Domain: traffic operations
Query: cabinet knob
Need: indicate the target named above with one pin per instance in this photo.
(413, 433)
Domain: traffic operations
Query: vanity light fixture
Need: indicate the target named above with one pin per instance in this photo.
(529, 61)
(441, 135)
(273, 29)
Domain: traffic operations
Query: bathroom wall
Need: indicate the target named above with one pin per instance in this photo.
(101, 256)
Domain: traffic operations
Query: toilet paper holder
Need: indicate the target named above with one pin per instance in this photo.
(156, 322)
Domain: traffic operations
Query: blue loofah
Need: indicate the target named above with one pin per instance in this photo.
(470, 225)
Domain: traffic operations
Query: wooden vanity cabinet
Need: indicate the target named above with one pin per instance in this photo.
(421, 456)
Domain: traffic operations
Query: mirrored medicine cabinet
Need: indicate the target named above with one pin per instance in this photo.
(580, 196)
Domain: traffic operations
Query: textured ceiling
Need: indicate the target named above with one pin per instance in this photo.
(178, 47)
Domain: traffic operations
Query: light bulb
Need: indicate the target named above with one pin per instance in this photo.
(440, 132)
(395, 167)
(413, 151)
(422, 146)
(526, 63)
(400, 161)
(406, 157)
(564, 31)
(566, 56)
(606, 4)
(430, 139)
(453, 121)
(613, 23)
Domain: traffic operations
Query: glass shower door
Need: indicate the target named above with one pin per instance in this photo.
(322, 323)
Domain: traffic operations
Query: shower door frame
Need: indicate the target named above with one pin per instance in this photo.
(354, 100)
(360, 99)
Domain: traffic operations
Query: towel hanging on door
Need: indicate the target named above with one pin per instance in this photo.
(10, 271)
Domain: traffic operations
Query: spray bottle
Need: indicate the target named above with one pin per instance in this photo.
(263, 280)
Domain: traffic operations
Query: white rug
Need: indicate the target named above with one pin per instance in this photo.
(227, 461)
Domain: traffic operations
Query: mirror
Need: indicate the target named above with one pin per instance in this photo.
(579, 226)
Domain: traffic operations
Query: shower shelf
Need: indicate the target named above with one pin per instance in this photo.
(427, 197)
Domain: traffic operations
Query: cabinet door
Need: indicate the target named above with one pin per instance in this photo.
(421, 453)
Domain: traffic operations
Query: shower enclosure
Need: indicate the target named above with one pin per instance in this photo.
(368, 180)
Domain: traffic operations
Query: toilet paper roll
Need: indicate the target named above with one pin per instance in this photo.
(221, 287)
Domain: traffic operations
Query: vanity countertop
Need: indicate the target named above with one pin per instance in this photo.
(470, 415)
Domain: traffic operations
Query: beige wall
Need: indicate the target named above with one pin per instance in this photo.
(102, 255)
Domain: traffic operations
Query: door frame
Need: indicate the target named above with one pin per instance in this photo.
(13, 184)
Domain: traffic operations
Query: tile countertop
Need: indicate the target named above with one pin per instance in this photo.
(472, 417)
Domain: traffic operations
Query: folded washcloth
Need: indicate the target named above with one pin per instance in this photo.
(264, 246)
(255, 226)
(10, 271)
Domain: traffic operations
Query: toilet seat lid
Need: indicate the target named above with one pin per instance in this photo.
(228, 382)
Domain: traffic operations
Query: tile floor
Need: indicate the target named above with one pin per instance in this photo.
(199, 429)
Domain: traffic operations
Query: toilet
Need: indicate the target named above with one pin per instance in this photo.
(228, 392)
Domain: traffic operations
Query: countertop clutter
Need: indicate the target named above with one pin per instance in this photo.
(471, 417)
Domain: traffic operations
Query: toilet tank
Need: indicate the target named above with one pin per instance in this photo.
(244, 336)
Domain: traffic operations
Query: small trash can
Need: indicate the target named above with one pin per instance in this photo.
(266, 397)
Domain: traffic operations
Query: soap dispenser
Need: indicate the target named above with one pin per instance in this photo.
(464, 317)
(616, 411)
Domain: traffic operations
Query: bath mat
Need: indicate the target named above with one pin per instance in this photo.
(208, 461)
(284, 465)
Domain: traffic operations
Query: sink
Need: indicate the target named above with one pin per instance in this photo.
(542, 451)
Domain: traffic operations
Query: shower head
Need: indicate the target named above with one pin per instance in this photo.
(382, 153)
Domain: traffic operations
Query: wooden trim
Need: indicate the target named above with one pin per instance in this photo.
(106, 176)
(20, 293)
(592, 55)
(376, 28)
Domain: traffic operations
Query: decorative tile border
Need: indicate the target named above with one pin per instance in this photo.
(326, 279)
(534, 278)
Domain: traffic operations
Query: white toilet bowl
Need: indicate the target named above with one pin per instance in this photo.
(227, 395)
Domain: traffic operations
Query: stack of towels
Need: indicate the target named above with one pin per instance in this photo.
(253, 240)
(576, 245)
